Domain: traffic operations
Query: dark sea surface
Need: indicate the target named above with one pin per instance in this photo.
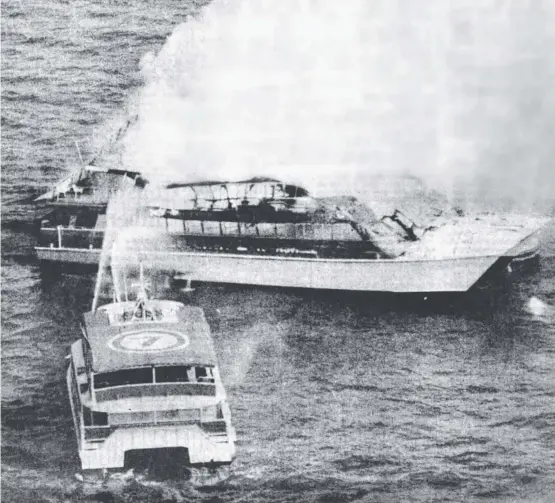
(334, 397)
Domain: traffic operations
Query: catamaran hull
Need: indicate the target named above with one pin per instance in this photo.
(202, 448)
(372, 275)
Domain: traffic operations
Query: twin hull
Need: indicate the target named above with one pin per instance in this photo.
(202, 448)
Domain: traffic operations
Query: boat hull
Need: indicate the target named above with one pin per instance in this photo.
(367, 275)
(202, 448)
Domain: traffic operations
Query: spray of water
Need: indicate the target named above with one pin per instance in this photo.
(328, 94)
(122, 215)
(540, 310)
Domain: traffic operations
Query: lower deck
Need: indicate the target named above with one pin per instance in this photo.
(105, 440)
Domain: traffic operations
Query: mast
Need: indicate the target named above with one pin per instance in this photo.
(98, 280)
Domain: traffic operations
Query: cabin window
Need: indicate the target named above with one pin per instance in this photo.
(172, 374)
(93, 418)
(204, 374)
(123, 378)
(294, 191)
(86, 218)
(60, 218)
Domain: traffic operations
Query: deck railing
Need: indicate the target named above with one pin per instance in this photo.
(209, 418)
(71, 237)
(82, 237)
(83, 195)
(155, 390)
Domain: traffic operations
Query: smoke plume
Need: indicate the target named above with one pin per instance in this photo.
(329, 94)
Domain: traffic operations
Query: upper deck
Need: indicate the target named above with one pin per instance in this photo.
(127, 335)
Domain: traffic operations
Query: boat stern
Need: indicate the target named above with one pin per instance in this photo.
(204, 445)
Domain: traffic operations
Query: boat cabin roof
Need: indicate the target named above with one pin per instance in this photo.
(294, 189)
(144, 333)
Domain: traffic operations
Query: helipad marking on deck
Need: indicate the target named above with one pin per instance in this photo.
(153, 341)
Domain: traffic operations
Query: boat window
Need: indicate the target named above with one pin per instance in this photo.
(86, 218)
(123, 378)
(93, 418)
(61, 219)
(204, 374)
(172, 374)
(294, 191)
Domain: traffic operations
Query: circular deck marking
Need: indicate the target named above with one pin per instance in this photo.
(152, 341)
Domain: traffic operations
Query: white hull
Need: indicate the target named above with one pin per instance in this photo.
(452, 258)
(385, 275)
(202, 447)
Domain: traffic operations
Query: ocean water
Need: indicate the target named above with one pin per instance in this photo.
(334, 397)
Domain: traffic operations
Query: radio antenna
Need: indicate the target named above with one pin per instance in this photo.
(79, 153)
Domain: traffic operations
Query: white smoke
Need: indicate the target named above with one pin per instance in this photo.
(328, 93)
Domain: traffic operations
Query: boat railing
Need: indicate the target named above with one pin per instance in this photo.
(155, 390)
(155, 417)
(227, 203)
(85, 238)
(83, 195)
(205, 416)
(72, 237)
(96, 433)
(76, 402)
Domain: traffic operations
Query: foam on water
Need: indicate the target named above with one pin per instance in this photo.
(541, 310)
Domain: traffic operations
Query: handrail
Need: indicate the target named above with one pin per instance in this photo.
(78, 229)
(158, 383)
(154, 420)
(75, 394)
(193, 203)
(193, 415)
(304, 231)
(139, 424)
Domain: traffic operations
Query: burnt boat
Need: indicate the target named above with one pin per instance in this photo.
(264, 231)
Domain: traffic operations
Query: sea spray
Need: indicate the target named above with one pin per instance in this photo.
(122, 214)
(540, 310)
(328, 94)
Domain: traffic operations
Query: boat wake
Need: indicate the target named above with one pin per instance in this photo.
(238, 351)
(125, 486)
